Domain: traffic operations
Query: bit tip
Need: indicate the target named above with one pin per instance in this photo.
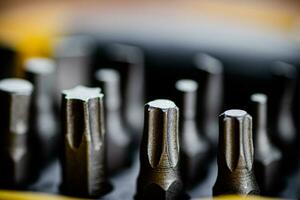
(82, 93)
(161, 104)
(235, 113)
(15, 85)
(186, 85)
(159, 175)
(208, 63)
(107, 75)
(40, 66)
(259, 98)
(235, 155)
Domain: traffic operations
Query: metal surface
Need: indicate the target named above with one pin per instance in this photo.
(195, 148)
(118, 138)
(159, 176)
(235, 155)
(84, 159)
(44, 138)
(15, 96)
(267, 157)
(211, 94)
(132, 58)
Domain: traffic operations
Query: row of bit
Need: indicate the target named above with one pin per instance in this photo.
(19, 154)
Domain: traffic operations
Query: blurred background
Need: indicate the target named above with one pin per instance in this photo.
(164, 39)
(242, 34)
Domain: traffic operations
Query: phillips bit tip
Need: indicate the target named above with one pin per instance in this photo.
(15, 97)
(235, 155)
(84, 158)
(267, 156)
(159, 176)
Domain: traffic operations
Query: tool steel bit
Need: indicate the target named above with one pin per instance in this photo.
(267, 156)
(118, 139)
(159, 176)
(211, 95)
(132, 58)
(235, 155)
(43, 126)
(285, 77)
(194, 147)
(15, 97)
(84, 159)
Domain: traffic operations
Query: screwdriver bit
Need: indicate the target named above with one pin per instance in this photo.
(194, 147)
(15, 97)
(211, 94)
(159, 176)
(84, 158)
(118, 139)
(235, 155)
(43, 125)
(285, 78)
(131, 58)
(267, 156)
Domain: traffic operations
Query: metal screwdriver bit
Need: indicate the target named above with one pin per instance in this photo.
(267, 156)
(285, 77)
(84, 159)
(235, 155)
(43, 126)
(15, 97)
(194, 147)
(159, 176)
(132, 58)
(118, 139)
(211, 95)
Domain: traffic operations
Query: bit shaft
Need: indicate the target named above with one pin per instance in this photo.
(285, 78)
(43, 125)
(132, 58)
(267, 156)
(210, 95)
(159, 176)
(118, 139)
(15, 97)
(84, 161)
(235, 155)
(194, 147)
